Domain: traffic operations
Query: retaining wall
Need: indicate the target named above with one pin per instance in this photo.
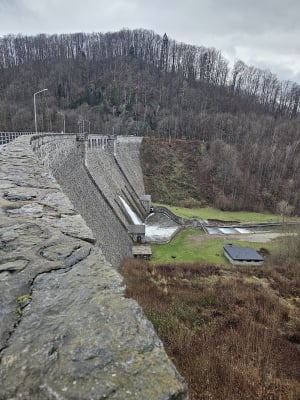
(187, 222)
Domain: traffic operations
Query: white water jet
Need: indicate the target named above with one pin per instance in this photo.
(134, 217)
(159, 228)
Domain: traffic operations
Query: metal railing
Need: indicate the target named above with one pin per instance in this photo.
(6, 137)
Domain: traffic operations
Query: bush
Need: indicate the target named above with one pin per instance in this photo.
(228, 332)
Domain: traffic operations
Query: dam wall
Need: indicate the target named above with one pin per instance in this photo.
(110, 178)
(94, 199)
(127, 155)
(67, 331)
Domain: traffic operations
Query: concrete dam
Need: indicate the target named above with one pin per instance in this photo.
(66, 329)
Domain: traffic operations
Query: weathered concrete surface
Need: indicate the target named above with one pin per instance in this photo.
(66, 330)
(61, 154)
(128, 157)
(113, 183)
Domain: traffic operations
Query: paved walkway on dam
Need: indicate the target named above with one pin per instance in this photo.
(66, 329)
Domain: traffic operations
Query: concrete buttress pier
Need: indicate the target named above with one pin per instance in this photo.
(66, 329)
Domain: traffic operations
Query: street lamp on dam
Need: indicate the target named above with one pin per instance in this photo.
(34, 106)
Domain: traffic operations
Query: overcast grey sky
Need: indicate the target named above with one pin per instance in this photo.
(264, 33)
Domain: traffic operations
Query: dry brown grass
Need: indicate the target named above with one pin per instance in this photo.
(229, 335)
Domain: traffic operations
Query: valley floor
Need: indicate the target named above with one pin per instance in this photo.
(233, 332)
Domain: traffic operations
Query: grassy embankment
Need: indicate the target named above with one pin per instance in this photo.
(215, 214)
(191, 245)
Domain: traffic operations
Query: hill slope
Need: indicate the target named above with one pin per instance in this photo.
(231, 176)
(138, 83)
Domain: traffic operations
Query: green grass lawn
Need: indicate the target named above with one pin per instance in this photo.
(189, 250)
(213, 213)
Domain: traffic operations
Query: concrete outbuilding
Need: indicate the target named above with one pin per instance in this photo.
(137, 232)
(242, 255)
(142, 251)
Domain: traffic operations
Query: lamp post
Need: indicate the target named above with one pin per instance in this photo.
(59, 112)
(79, 121)
(86, 120)
(34, 106)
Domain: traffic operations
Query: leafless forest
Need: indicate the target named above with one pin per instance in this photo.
(138, 83)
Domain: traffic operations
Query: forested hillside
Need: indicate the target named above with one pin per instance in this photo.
(246, 176)
(138, 83)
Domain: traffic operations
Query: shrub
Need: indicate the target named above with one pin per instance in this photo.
(229, 333)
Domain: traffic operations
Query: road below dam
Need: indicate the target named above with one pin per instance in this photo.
(66, 329)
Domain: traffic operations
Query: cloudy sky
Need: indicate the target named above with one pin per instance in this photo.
(264, 33)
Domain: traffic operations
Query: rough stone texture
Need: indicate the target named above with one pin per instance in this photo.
(66, 330)
(63, 156)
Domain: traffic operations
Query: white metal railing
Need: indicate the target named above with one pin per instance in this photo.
(6, 137)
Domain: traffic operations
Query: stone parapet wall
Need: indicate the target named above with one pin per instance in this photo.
(67, 331)
(52, 148)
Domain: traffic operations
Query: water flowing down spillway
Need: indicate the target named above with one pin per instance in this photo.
(134, 217)
(159, 227)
